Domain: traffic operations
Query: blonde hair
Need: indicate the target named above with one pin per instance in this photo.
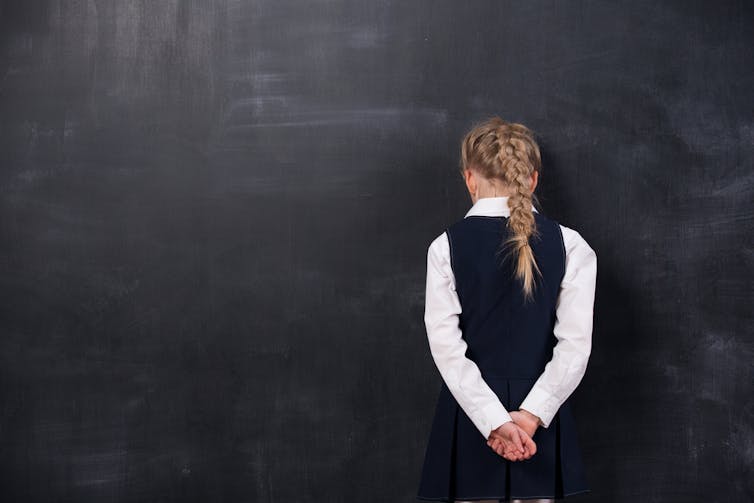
(497, 149)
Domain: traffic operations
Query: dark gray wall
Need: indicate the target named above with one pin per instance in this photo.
(214, 216)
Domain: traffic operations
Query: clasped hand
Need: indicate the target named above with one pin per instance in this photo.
(513, 440)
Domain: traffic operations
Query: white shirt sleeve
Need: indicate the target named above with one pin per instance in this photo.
(573, 329)
(448, 348)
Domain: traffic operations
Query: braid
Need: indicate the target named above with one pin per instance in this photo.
(517, 173)
(508, 151)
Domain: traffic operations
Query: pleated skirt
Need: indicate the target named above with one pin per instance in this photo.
(459, 465)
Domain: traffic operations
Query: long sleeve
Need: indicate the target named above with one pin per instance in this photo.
(448, 348)
(573, 330)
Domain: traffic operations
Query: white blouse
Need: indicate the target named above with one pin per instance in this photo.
(573, 330)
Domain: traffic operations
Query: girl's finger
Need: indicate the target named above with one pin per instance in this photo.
(517, 441)
(532, 446)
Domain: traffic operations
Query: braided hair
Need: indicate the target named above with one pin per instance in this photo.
(497, 149)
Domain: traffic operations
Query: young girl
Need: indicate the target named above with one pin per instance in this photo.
(509, 306)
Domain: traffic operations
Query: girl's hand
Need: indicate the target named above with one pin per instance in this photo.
(512, 442)
(526, 420)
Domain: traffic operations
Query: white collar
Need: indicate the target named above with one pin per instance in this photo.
(492, 207)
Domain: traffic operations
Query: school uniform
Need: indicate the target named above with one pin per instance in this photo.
(496, 354)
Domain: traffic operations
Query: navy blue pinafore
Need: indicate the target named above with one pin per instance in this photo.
(511, 342)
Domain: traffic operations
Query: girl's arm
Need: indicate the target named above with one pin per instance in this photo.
(448, 348)
(573, 329)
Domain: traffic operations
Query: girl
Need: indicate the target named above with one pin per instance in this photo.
(509, 306)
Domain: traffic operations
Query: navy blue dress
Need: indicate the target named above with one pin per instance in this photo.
(511, 342)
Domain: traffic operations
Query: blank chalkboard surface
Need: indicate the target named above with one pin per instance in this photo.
(214, 218)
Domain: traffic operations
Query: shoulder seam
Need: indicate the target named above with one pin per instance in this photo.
(562, 244)
(450, 249)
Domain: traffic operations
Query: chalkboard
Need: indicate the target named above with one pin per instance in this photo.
(214, 218)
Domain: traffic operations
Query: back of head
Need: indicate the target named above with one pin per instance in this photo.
(499, 150)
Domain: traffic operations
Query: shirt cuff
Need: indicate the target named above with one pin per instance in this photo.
(495, 416)
(541, 404)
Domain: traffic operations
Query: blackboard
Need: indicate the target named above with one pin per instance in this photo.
(214, 217)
